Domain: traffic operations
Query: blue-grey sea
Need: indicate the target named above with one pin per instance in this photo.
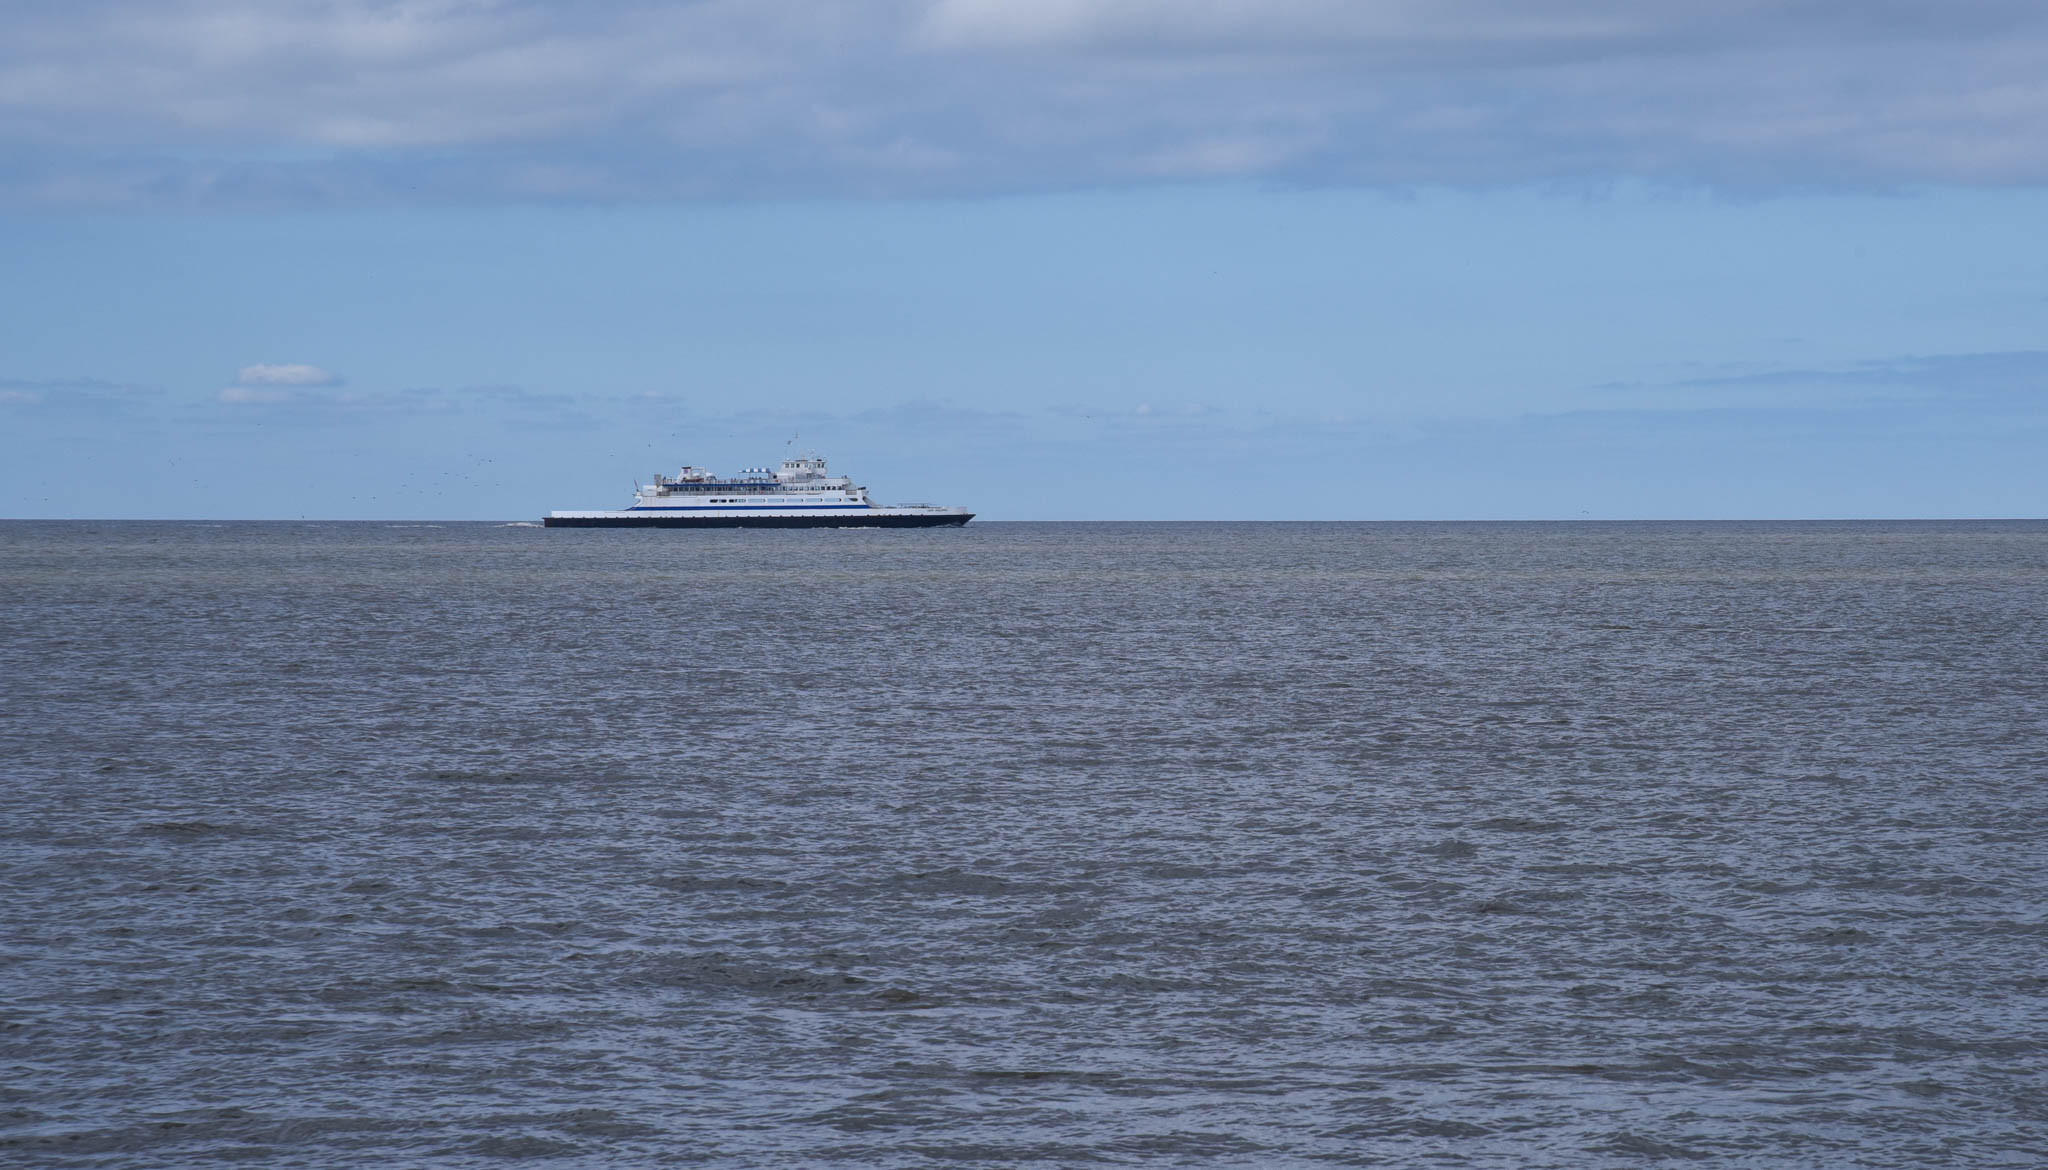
(1024, 845)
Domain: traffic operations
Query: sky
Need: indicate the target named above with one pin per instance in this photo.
(1119, 259)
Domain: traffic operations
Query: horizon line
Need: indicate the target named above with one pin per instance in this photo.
(1583, 519)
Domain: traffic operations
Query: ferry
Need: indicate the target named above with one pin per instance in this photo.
(799, 494)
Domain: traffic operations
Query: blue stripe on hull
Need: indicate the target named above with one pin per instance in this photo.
(834, 521)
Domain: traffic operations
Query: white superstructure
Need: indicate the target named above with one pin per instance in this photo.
(799, 494)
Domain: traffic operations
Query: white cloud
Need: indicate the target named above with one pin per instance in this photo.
(20, 397)
(284, 374)
(289, 102)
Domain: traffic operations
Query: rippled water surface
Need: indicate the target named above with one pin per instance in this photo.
(1243, 845)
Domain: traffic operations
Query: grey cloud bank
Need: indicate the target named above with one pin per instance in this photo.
(202, 103)
(1938, 375)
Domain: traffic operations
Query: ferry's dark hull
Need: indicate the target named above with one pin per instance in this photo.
(841, 521)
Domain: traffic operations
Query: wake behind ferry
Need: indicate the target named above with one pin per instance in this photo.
(799, 494)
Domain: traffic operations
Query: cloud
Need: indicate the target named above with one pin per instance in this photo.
(1232, 26)
(246, 394)
(2006, 371)
(273, 383)
(267, 374)
(73, 395)
(215, 103)
(296, 395)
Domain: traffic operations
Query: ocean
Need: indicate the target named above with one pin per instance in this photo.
(1024, 845)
